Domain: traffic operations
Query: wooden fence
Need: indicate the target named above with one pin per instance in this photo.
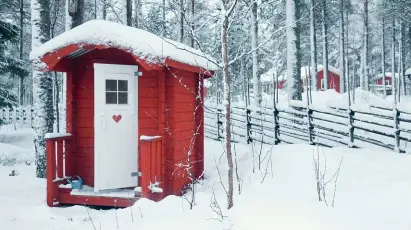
(332, 127)
(17, 115)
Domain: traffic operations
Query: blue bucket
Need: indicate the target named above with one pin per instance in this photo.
(76, 182)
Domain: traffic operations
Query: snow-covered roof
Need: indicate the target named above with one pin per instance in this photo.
(387, 74)
(270, 75)
(145, 45)
(305, 70)
(408, 71)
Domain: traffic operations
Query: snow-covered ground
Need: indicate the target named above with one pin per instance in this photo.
(373, 192)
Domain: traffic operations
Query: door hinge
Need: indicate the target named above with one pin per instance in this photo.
(138, 74)
(134, 174)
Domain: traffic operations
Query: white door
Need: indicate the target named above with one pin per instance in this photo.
(115, 126)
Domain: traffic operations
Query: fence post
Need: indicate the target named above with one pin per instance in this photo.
(310, 126)
(397, 130)
(276, 126)
(219, 123)
(248, 121)
(351, 128)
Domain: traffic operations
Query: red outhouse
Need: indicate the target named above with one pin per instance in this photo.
(134, 115)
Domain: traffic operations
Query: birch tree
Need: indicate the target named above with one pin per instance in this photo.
(129, 12)
(293, 50)
(78, 15)
(393, 79)
(313, 40)
(383, 56)
(182, 15)
(227, 9)
(365, 79)
(254, 43)
(325, 42)
(137, 13)
(42, 85)
(342, 49)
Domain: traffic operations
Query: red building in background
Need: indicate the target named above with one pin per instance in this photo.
(333, 77)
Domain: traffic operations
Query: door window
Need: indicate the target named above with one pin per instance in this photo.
(116, 92)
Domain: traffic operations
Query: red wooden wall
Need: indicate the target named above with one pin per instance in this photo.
(333, 80)
(167, 107)
(389, 79)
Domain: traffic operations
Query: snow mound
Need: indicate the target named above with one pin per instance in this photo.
(141, 43)
(11, 155)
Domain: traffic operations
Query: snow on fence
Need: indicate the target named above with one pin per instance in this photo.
(16, 115)
(332, 127)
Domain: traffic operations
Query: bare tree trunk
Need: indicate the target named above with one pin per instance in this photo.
(224, 53)
(181, 36)
(365, 80)
(393, 80)
(104, 9)
(42, 85)
(325, 42)
(21, 77)
(313, 39)
(254, 43)
(346, 60)
(293, 50)
(78, 18)
(383, 57)
(163, 11)
(129, 12)
(342, 49)
(192, 22)
(137, 13)
(402, 60)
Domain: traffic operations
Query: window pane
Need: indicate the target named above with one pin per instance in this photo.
(122, 98)
(111, 98)
(122, 85)
(111, 85)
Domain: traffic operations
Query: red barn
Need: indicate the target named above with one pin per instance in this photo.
(333, 77)
(134, 122)
(379, 84)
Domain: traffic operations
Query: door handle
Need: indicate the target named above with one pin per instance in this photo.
(103, 121)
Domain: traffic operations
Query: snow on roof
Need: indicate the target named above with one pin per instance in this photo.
(408, 71)
(387, 74)
(270, 75)
(141, 43)
(305, 70)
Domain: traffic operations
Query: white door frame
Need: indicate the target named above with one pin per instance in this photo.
(106, 172)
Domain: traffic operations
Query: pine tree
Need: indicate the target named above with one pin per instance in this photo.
(9, 65)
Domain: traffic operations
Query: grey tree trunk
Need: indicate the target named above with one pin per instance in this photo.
(129, 12)
(325, 42)
(227, 91)
(342, 49)
(192, 22)
(181, 35)
(254, 43)
(163, 16)
(21, 49)
(365, 81)
(313, 40)
(78, 18)
(383, 58)
(393, 79)
(402, 59)
(42, 85)
(137, 14)
(104, 9)
(293, 50)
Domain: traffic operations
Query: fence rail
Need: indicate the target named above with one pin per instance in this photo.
(353, 127)
(19, 115)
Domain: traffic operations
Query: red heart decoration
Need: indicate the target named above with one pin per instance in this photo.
(116, 118)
